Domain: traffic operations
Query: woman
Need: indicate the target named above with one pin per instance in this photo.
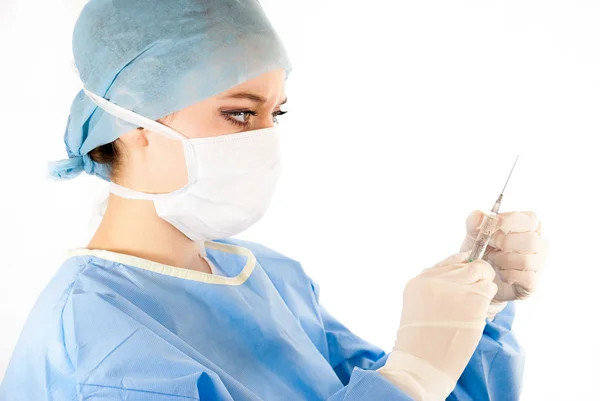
(179, 112)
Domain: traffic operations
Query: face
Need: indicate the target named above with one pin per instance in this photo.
(155, 164)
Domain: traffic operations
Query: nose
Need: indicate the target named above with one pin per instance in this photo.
(265, 123)
(265, 118)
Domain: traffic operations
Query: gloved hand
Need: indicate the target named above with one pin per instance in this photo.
(442, 322)
(517, 252)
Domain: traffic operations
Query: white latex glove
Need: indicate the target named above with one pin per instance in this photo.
(443, 318)
(517, 252)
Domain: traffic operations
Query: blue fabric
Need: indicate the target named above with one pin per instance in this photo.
(155, 57)
(107, 331)
(495, 370)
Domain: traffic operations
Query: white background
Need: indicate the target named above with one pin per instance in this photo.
(404, 116)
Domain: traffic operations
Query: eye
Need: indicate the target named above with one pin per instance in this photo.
(241, 117)
(238, 117)
(277, 114)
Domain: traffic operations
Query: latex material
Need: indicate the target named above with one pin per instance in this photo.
(115, 330)
(443, 317)
(517, 251)
(154, 58)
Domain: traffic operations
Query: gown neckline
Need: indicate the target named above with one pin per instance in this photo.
(179, 272)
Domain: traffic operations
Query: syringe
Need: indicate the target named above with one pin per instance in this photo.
(489, 225)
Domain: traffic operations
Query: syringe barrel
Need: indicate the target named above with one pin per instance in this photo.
(483, 238)
(496, 206)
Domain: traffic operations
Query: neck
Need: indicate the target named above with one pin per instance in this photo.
(132, 227)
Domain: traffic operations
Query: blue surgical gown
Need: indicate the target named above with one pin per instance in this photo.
(114, 327)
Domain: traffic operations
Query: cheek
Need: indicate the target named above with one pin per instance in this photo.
(167, 171)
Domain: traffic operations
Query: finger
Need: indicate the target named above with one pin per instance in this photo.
(451, 260)
(481, 270)
(460, 271)
(527, 279)
(527, 242)
(521, 293)
(466, 273)
(510, 291)
(441, 270)
(515, 261)
(505, 291)
(517, 222)
(474, 221)
(485, 289)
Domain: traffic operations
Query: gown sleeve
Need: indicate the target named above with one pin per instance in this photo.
(355, 361)
(493, 374)
(495, 370)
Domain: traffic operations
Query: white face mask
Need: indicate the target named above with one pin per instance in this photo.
(231, 179)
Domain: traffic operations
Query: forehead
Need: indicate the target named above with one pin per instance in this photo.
(268, 85)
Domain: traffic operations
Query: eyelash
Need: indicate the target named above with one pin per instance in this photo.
(229, 114)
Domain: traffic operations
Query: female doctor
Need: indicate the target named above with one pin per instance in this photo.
(179, 112)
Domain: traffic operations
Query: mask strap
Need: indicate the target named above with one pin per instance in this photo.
(151, 125)
(132, 194)
(190, 160)
(134, 118)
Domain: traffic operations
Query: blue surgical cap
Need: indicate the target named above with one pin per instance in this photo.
(155, 57)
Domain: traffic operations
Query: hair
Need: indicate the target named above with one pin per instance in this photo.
(111, 154)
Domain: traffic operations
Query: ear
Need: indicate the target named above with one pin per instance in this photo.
(135, 139)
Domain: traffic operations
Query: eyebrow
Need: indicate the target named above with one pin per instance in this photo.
(251, 96)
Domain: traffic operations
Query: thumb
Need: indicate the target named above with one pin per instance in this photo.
(474, 222)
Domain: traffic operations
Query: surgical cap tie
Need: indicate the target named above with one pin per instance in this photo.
(72, 167)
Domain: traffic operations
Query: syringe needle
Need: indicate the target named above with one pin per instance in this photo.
(511, 171)
(488, 225)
